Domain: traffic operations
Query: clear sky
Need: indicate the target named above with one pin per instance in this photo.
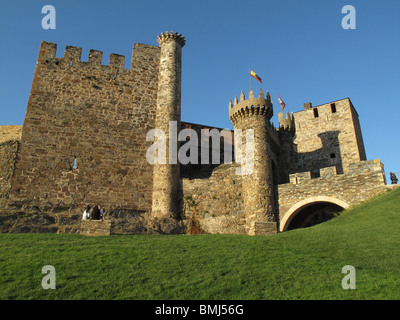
(298, 48)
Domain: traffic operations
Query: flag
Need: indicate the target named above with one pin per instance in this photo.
(281, 102)
(253, 74)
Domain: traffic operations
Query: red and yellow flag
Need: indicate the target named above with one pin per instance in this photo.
(281, 102)
(253, 74)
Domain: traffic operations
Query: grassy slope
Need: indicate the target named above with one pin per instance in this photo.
(299, 264)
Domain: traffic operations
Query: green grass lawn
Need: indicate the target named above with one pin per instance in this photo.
(299, 264)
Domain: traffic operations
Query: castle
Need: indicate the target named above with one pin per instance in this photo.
(84, 141)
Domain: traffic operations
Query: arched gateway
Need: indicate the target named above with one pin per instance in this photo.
(311, 211)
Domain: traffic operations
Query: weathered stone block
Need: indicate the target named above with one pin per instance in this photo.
(262, 228)
(328, 172)
(95, 228)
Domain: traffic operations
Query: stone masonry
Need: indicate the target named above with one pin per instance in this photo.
(85, 141)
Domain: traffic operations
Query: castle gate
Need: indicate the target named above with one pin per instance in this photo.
(311, 211)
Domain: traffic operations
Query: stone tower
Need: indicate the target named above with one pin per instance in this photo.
(166, 177)
(286, 133)
(258, 189)
(339, 144)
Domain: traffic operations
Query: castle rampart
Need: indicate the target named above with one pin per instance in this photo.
(84, 135)
(218, 201)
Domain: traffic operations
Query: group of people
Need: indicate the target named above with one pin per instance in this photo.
(97, 213)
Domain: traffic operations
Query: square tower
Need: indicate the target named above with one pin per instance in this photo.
(328, 135)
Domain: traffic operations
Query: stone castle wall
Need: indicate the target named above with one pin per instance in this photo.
(84, 135)
(214, 146)
(219, 200)
(10, 137)
(220, 205)
(8, 155)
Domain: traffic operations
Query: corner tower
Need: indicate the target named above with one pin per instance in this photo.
(286, 133)
(258, 190)
(166, 176)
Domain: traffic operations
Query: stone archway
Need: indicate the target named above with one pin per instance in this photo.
(318, 203)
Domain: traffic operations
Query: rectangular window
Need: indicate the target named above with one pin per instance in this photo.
(316, 113)
(333, 108)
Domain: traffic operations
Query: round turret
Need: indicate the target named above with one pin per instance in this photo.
(253, 106)
(171, 36)
(252, 116)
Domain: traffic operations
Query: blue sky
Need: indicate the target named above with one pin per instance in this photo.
(298, 48)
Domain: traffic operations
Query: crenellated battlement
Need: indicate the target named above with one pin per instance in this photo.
(370, 167)
(171, 35)
(251, 106)
(287, 123)
(73, 55)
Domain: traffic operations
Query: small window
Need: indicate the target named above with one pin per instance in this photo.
(115, 73)
(316, 113)
(333, 156)
(333, 107)
(74, 165)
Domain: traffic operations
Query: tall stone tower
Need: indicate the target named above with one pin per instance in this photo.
(258, 190)
(166, 176)
(286, 133)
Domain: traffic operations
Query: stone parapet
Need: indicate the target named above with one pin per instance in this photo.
(363, 183)
(10, 133)
(95, 228)
(262, 228)
(355, 169)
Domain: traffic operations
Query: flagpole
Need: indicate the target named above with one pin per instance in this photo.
(250, 77)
